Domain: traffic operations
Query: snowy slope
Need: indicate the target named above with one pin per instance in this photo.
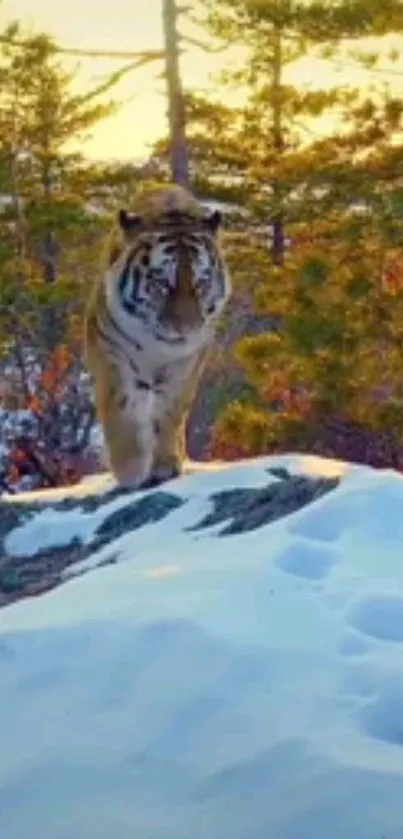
(219, 676)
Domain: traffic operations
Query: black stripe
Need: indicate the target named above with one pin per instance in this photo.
(160, 377)
(124, 277)
(142, 385)
(119, 350)
(122, 333)
(132, 365)
(105, 337)
(130, 273)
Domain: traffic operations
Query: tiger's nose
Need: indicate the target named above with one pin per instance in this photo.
(182, 309)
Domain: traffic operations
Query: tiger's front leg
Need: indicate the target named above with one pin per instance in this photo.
(170, 450)
(126, 417)
(172, 407)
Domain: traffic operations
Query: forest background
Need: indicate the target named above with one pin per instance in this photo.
(309, 178)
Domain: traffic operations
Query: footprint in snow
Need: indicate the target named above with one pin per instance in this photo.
(353, 645)
(358, 688)
(379, 617)
(306, 560)
(326, 523)
(383, 718)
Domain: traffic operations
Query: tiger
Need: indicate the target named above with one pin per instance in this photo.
(149, 326)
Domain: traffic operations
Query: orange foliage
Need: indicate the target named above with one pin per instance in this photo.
(220, 449)
(33, 456)
(392, 277)
(34, 404)
(54, 371)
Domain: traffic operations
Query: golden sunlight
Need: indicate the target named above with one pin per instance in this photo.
(122, 25)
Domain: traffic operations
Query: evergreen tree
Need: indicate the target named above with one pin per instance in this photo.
(318, 377)
(39, 115)
(329, 378)
(274, 34)
(49, 249)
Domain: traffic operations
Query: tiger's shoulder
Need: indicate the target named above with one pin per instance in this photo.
(155, 201)
(154, 205)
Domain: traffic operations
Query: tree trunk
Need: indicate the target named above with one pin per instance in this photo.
(49, 251)
(176, 107)
(278, 144)
(49, 246)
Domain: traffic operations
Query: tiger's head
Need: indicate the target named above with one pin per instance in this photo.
(166, 271)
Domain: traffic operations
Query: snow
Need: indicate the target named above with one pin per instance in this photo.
(48, 529)
(208, 686)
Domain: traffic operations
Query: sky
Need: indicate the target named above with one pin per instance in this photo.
(131, 25)
(123, 25)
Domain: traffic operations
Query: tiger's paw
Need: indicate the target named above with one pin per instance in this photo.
(161, 474)
(133, 473)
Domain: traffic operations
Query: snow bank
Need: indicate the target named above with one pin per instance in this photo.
(219, 676)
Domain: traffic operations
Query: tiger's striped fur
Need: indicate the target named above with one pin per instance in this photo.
(150, 322)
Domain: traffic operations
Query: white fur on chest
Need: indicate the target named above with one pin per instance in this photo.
(148, 406)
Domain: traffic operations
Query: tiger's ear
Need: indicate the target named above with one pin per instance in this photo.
(128, 222)
(212, 221)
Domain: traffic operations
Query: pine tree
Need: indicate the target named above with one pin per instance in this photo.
(335, 294)
(39, 115)
(275, 34)
(49, 246)
(329, 378)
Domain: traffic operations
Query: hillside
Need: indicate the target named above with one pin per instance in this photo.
(221, 657)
